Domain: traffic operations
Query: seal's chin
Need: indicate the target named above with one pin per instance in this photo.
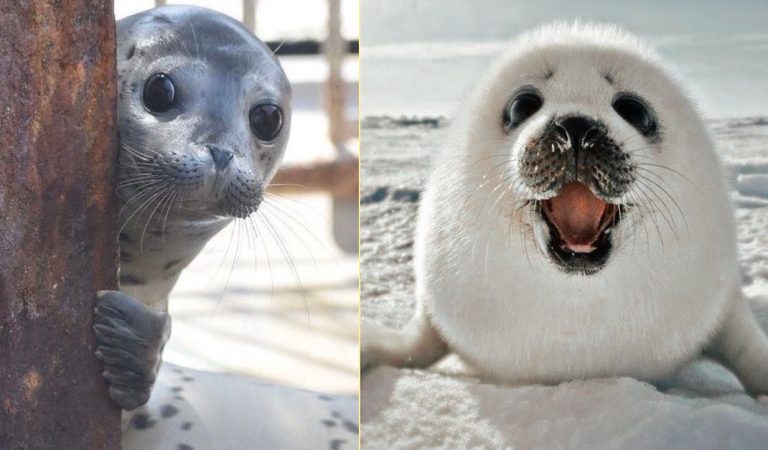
(580, 226)
(231, 204)
(229, 195)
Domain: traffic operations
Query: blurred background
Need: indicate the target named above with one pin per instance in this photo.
(420, 56)
(277, 298)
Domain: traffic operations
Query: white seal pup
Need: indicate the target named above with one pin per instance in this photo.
(577, 224)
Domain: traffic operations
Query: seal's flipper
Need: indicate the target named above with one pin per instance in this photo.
(417, 345)
(129, 340)
(742, 346)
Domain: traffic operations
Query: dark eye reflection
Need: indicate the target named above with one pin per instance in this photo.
(636, 113)
(159, 93)
(521, 107)
(266, 121)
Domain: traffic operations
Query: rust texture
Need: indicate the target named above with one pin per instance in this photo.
(57, 221)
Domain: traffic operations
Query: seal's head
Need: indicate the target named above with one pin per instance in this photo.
(203, 112)
(580, 125)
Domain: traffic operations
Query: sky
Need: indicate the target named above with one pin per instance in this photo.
(420, 56)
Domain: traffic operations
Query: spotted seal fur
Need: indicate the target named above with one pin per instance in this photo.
(204, 117)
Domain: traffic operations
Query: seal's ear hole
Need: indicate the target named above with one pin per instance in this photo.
(266, 121)
(131, 51)
(636, 113)
(159, 93)
(522, 106)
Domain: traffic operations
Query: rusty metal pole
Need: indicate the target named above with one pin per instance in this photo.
(57, 221)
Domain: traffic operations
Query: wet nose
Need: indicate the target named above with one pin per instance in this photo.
(221, 157)
(576, 130)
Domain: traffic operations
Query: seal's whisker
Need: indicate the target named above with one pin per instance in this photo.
(139, 181)
(260, 239)
(286, 220)
(656, 175)
(670, 197)
(523, 240)
(643, 212)
(194, 38)
(289, 259)
(279, 46)
(233, 228)
(132, 195)
(140, 196)
(237, 232)
(663, 167)
(638, 149)
(485, 158)
(143, 152)
(290, 216)
(632, 134)
(647, 205)
(478, 189)
(159, 201)
(291, 203)
(125, 147)
(167, 212)
(665, 213)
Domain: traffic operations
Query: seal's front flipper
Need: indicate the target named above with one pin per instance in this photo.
(417, 345)
(741, 345)
(129, 340)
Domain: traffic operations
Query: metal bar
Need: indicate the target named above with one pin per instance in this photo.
(249, 15)
(307, 47)
(57, 221)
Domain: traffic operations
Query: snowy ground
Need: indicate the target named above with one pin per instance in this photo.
(703, 407)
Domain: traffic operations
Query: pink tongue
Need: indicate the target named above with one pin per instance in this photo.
(578, 216)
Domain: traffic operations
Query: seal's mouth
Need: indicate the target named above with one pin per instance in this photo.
(579, 225)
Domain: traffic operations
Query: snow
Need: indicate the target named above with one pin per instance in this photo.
(415, 409)
(702, 407)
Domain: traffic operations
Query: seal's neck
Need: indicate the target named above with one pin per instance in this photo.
(153, 253)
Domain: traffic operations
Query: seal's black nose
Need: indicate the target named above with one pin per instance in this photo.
(577, 131)
(221, 157)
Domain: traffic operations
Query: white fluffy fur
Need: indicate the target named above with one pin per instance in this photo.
(485, 285)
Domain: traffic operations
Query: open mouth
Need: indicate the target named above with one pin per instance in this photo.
(579, 225)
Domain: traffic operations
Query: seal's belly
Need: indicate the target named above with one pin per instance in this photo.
(530, 324)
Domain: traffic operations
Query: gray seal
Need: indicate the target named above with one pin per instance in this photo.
(204, 117)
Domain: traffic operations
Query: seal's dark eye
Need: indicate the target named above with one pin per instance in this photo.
(266, 121)
(521, 107)
(159, 93)
(636, 113)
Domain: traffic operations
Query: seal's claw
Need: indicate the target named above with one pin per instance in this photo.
(129, 399)
(129, 340)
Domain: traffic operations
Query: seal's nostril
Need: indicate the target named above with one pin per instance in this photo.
(221, 157)
(579, 129)
(561, 134)
(590, 136)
